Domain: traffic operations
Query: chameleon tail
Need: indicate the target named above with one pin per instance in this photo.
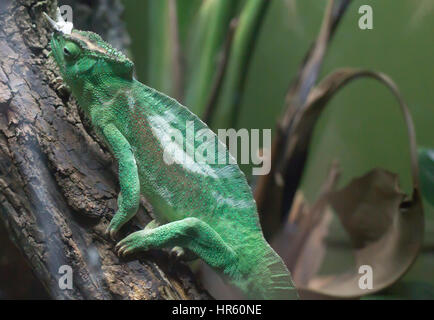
(269, 278)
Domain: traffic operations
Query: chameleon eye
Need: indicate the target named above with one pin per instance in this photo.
(71, 50)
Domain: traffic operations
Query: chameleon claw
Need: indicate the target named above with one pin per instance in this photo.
(124, 250)
(111, 233)
(118, 247)
(177, 253)
(182, 254)
(129, 244)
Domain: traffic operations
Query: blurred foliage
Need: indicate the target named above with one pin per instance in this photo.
(426, 163)
(362, 127)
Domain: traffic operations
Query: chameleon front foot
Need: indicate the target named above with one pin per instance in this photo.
(183, 254)
(116, 224)
(111, 232)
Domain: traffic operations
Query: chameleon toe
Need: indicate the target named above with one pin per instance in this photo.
(125, 250)
(107, 232)
(113, 234)
(177, 252)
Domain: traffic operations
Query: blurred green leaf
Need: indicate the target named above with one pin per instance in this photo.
(139, 37)
(208, 35)
(245, 37)
(162, 46)
(187, 10)
(426, 164)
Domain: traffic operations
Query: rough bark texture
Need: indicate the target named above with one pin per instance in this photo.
(58, 184)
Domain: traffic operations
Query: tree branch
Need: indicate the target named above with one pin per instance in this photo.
(58, 185)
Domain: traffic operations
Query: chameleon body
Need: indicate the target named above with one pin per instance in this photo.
(207, 209)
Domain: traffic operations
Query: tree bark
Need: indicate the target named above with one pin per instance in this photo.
(58, 183)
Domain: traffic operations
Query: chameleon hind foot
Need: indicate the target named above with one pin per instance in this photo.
(182, 254)
(177, 252)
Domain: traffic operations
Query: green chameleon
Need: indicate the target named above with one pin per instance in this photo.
(205, 209)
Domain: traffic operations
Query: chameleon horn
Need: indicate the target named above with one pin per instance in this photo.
(60, 25)
(51, 21)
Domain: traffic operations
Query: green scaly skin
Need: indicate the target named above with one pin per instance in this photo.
(206, 209)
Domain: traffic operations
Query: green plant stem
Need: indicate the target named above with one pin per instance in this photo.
(164, 66)
(250, 21)
(207, 40)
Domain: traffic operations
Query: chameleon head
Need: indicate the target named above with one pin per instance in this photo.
(84, 56)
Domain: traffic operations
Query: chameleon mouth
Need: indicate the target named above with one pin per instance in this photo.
(60, 25)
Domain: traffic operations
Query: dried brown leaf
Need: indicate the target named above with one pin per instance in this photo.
(386, 228)
(387, 232)
(274, 192)
(301, 242)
